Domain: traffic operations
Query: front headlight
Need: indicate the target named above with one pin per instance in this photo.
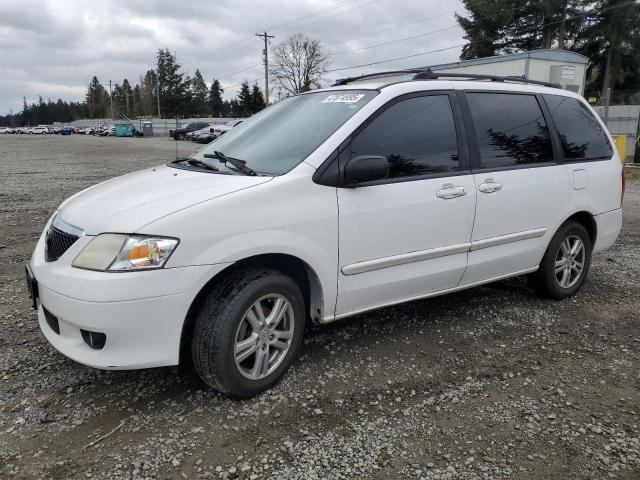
(112, 252)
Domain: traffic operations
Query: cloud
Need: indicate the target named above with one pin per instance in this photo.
(53, 48)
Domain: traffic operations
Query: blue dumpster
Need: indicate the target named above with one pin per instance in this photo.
(124, 129)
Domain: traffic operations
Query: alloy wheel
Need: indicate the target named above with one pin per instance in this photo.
(569, 262)
(264, 336)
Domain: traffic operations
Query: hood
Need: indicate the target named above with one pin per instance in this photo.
(127, 203)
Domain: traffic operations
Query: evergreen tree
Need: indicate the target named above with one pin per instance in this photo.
(199, 95)
(148, 93)
(611, 40)
(96, 98)
(119, 100)
(257, 99)
(137, 101)
(496, 27)
(244, 100)
(173, 87)
(127, 93)
(216, 105)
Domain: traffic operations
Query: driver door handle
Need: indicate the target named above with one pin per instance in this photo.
(448, 192)
(489, 186)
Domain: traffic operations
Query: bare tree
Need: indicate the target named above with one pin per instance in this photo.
(298, 63)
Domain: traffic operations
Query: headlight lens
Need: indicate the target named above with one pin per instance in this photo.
(122, 253)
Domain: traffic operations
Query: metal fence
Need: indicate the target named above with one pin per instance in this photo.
(161, 126)
(623, 120)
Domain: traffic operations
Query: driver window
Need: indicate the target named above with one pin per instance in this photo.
(416, 135)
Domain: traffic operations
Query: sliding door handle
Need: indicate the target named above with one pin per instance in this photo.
(448, 192)
(489, 187)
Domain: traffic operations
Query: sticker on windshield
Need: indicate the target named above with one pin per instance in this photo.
(343, 98)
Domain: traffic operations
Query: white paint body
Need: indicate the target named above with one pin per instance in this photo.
(368, 247)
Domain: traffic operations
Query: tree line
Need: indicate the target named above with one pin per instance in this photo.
(181, 95)
(605, 31)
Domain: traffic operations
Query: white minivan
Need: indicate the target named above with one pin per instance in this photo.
(387, 189)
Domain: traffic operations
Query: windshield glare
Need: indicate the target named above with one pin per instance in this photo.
(278, 138)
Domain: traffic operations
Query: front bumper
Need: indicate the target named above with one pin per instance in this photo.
(140, 313)
(139, 333)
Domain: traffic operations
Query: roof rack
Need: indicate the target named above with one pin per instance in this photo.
(428, 74)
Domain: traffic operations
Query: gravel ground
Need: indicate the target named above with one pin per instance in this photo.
(493, 382)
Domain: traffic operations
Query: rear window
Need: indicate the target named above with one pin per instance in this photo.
(582, 135)
(510, 130)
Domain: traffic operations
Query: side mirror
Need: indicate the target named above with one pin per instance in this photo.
(365, 169)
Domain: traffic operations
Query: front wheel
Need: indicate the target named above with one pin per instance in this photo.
(565, 264)
(247, 332)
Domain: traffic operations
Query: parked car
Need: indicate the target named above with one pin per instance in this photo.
(196, 133)
(206, 137)
(181, 133)
(108, 131)
(23, 130)
(6, 130)
(224, 128)
(326, 205)
(67, 130)
(39, 130)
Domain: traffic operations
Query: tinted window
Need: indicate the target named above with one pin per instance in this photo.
(510, 129)
(417, 136)
(582, 136)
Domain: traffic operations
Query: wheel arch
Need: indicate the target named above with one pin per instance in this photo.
(588, 221)
(299, 270)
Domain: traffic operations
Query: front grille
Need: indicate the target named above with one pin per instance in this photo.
(56, 243)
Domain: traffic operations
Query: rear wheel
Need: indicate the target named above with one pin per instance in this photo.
(180, 136)
(566, 262)
(247, 332)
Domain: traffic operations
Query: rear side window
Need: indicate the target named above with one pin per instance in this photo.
(416, 135)
(510, 129)
(582, 136)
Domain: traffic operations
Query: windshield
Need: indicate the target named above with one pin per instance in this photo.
(278, 138)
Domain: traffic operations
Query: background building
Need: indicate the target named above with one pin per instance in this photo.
(558, 66)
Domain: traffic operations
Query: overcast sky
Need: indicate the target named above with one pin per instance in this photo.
(53, 47)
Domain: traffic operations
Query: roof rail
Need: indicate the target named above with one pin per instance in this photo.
(428, 74)
(345, 81)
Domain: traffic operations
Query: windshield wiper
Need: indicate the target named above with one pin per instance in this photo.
(196, 163)
(239, 164)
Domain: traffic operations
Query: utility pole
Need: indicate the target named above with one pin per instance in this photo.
(158, 91)
(111, 99)
(266, 38)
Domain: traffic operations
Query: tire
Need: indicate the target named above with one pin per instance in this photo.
(557, 285)
(228, 315)
(180, 136)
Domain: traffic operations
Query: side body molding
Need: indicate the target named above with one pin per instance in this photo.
(410, 257)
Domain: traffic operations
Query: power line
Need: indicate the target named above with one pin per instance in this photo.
(235, 45)
(537, 27)
(394, 27)
(227, 75)
(240, 84)
(330, 16)
(418, 35)
(319, 12)
(396, 41)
